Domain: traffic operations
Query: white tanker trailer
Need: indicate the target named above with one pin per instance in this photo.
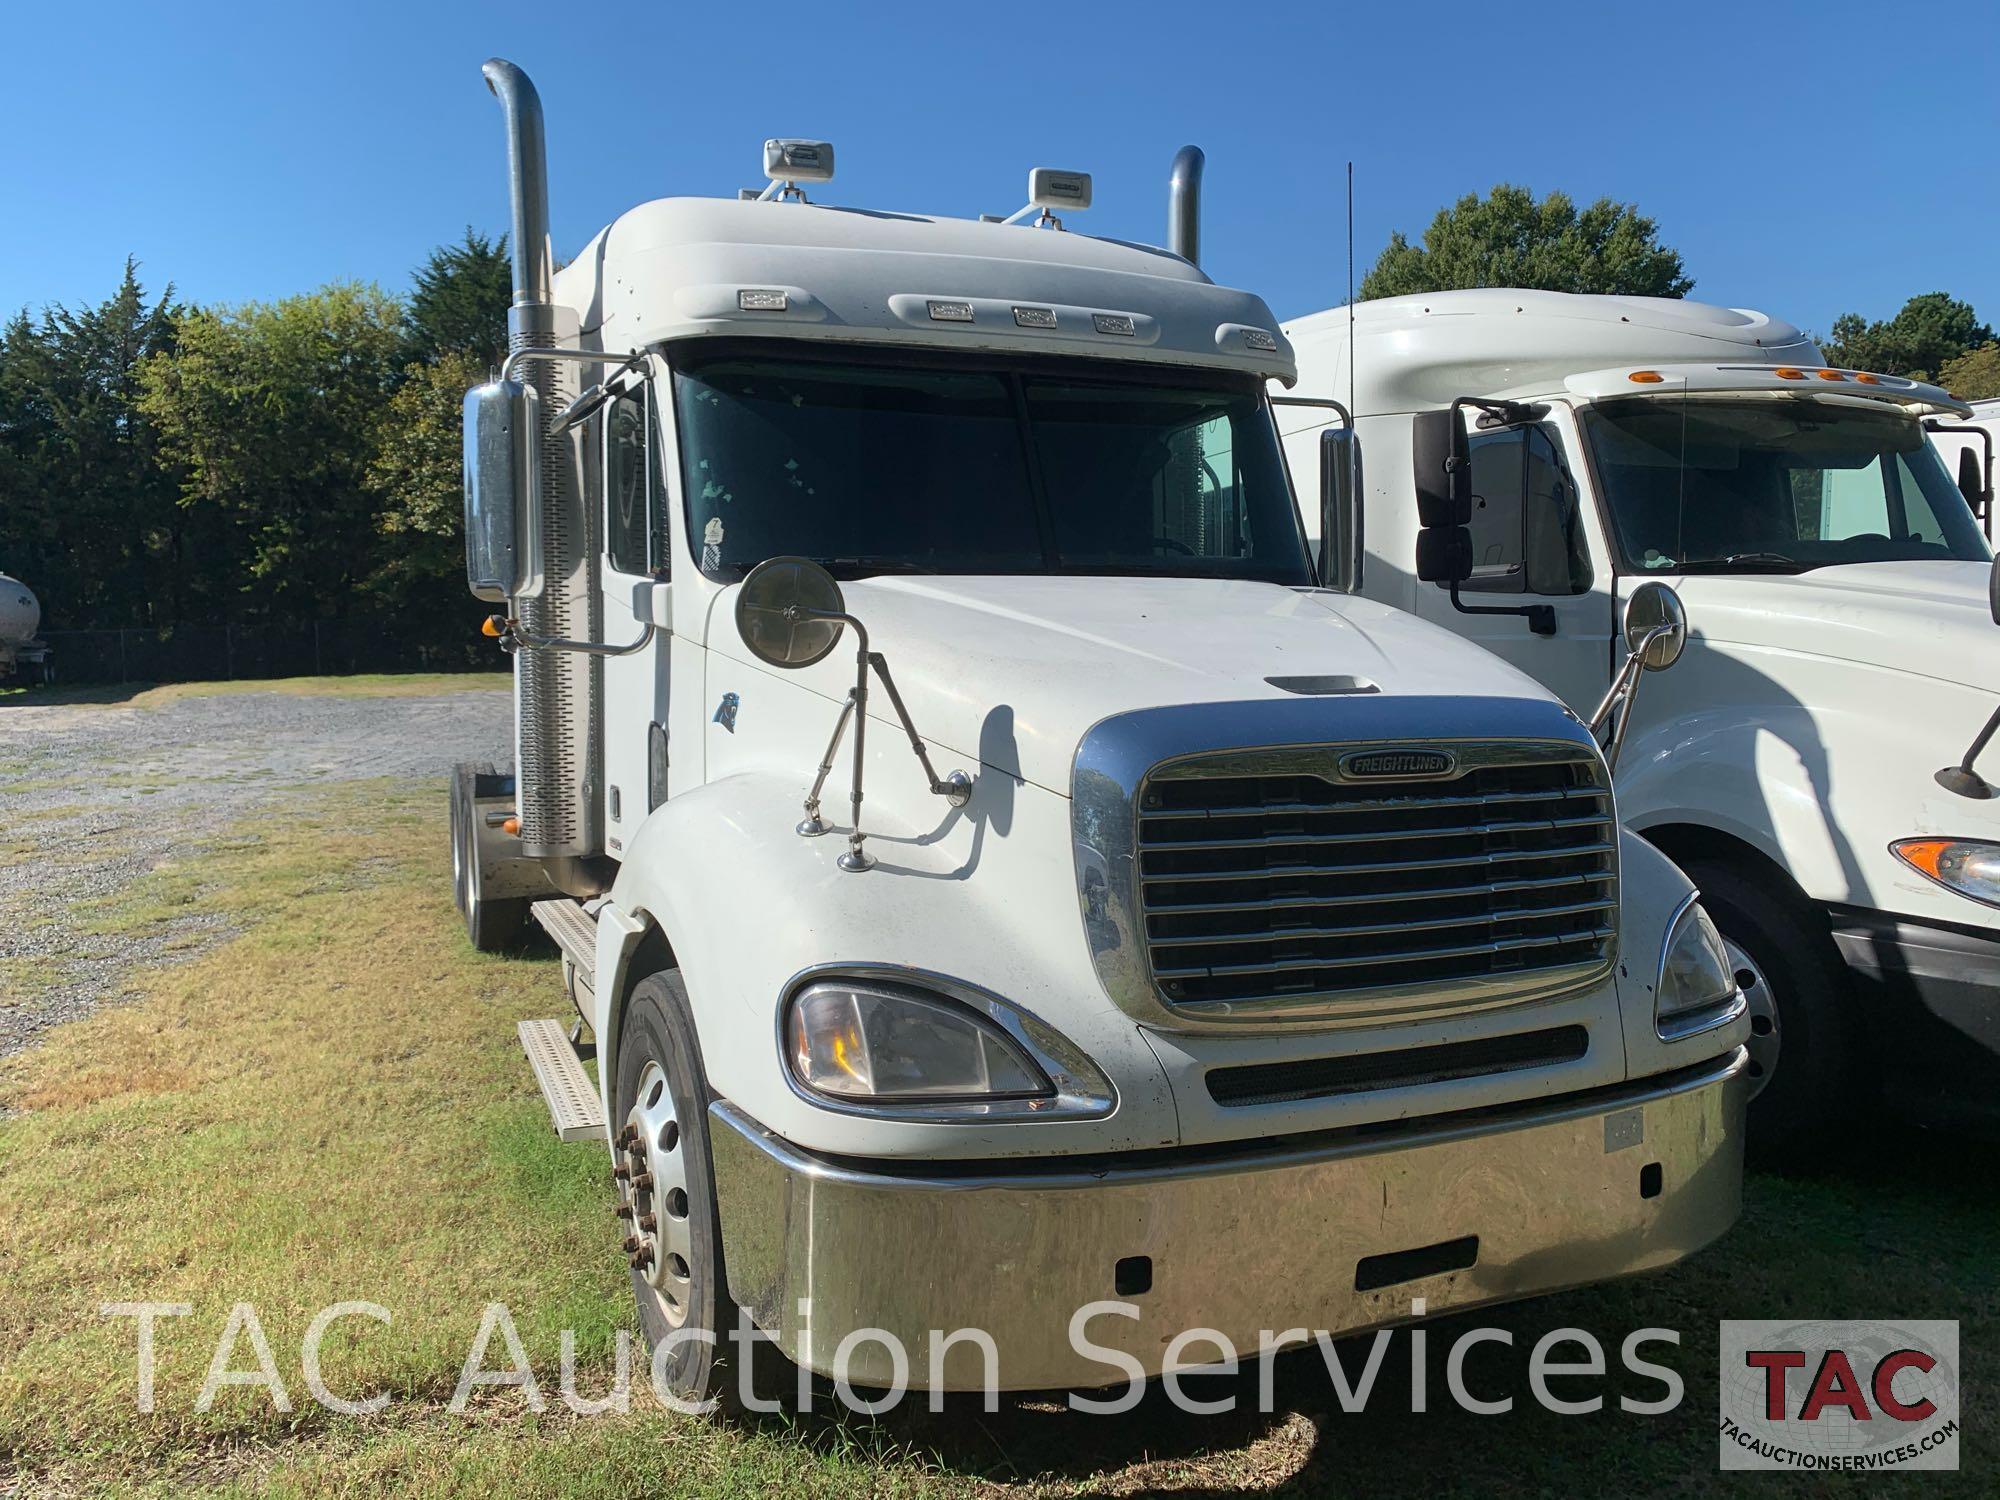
(20, 617)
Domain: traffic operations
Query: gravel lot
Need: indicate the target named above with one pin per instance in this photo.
(94, 796)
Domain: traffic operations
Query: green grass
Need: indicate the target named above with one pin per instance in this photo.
(330, 1106)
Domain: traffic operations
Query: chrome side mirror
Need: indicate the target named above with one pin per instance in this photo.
(1656, 632)
(790, 613)
(1655, 625)
(502, 496)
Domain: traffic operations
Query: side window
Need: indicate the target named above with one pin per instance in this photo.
(1527, 527)
(627, 531)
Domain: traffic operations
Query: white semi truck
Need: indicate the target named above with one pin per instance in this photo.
(1206, 941)
(1811, 761)
(21, 651)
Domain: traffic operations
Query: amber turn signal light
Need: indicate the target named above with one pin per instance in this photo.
(511, 825)
(1645, 377)
(1922, 854)
(492, 625)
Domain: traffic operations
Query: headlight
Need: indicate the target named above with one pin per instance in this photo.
(1697, 987)
(868, 1041)
(1963, 865)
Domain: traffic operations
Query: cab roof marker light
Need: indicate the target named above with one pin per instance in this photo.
(1260, 340)
(762, 299)
(1645, 377)
(1035, 317)
(1113, 323)
(949, 312)
(1787, 372)
(1830, 374)
(1864, 378)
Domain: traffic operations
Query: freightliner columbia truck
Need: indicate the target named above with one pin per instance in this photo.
(1817, 761)
(1255, 956)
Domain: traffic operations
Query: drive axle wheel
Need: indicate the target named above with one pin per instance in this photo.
(493, 924)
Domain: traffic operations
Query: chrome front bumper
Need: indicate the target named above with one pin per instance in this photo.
(1557, 1194)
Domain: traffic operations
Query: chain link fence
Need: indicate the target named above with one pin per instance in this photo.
(204, 653)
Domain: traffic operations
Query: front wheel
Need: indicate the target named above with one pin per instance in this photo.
(666, 1191)
(1805, 1056)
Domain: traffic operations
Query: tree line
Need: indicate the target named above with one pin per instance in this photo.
(271, 465)
(287, 463)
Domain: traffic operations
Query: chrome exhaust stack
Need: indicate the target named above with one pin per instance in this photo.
(557, 694)
(1184, 205)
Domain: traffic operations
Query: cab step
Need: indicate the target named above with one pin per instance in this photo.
(574, 1108)
(574, 931)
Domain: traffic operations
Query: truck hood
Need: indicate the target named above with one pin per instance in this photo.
(1929, 619)
(1013, 671)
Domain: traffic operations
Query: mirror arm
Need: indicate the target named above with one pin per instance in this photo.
(814, 825)
(1620, 697)
(631, 360)
(1541, 618)
(514, 637)
(957, 787)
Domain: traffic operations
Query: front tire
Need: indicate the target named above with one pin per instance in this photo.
(1805, 1044)
(661, 1147)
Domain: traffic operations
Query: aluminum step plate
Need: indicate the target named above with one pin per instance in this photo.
(574, 1108)
(575, 932)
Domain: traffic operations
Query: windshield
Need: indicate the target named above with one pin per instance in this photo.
(870, 466)
(1773, 486)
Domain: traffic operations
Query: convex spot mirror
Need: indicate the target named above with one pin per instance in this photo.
(1652, 605)
(781, 611)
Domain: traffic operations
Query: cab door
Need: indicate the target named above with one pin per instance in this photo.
(635, 565)
(1536, 541)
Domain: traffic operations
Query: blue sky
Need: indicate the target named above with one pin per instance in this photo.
(1806, 159)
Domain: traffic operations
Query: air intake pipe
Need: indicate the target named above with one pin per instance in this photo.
(1184, 205)
(557, 694)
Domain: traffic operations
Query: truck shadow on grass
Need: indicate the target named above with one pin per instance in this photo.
(1895, 1228)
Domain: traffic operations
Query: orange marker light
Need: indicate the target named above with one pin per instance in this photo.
(1786, 372)
(1829, 374)
(1865, 379)
(1922, 854)
(1645, 377)
(511, 825)
(491, 626)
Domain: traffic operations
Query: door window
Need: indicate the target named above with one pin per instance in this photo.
(633, 499)
(1527, 527)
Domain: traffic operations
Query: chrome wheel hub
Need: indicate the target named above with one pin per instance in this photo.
(652, 1176)
(1764, 1033)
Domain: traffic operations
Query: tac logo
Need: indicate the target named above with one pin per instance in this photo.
(1839, 1396)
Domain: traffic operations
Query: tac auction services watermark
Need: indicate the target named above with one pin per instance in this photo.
(1854, 1395)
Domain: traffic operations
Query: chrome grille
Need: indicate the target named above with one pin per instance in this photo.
(1269, 875)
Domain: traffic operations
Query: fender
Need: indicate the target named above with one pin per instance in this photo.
(1747, 778)
(743, 906)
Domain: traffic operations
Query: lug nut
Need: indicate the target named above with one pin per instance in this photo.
(630, 1134)
(622, 1174)
(623, 1210)
(643, 1259)
(643, 1182)
(632, 1244)
(649, 1222)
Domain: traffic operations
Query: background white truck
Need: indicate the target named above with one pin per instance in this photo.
(1255, 956)
(1843, 649)
(20, 617)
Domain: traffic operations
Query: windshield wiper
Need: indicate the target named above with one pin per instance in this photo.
(875, 565)
(1740, 562)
